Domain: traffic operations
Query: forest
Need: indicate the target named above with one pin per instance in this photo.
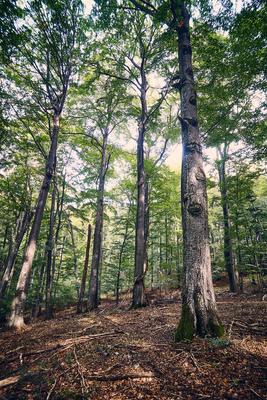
(133, 199)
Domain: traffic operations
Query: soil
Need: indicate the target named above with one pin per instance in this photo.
(118, 354)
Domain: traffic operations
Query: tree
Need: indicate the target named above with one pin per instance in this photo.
(53, 62)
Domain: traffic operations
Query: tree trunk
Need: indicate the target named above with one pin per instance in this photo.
(49, 256)
(85, 270)
(10, 263)
(139, 298)
(75, 260)
(16, 318)
(94, 277)
(228, 247)
(199, 312)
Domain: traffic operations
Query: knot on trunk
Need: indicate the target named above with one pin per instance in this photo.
(194, 208)
(193, 100)
(193, 147)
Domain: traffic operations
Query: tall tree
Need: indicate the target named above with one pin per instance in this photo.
(53, 62)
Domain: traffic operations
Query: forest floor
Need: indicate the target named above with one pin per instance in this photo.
(119, 354)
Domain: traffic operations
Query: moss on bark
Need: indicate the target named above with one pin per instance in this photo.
(215, 329)
(186, 328)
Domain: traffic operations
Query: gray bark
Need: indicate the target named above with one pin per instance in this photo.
(199, 313)
(16, 318)
(94, 276)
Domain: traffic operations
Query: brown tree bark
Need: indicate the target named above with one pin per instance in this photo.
(85, 270)
(199, 312)
(16, 318)
(228, 246)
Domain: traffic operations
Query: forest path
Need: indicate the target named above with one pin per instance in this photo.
(121, 354)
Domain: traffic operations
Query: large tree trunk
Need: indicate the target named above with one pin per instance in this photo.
(94, 276)
(199, 313)
(10, 262)
(228, 247)
(85, 270)
(139, 298)
(16, 319)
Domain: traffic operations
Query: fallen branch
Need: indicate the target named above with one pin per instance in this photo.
(9, 381)
(256, 394)
(118, 377)
(80, 372)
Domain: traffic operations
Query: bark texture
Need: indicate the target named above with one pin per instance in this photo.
(199, 313)
(16, 318)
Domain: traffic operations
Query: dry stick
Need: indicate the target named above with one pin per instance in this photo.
(230, 330)
(118, 377)
(256, 394)
(80, 372)
(55, 383)
(9, 381)
(194, 360)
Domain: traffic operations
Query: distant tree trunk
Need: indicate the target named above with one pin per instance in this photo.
(178, 270)
(199, 312)
(75, 261)
(228, 247)
(94, 277)
(125, 237)
(147, 222)
(139, 298)
(16, 318)
(10, 262)
(59, 223)
(59, 267)
(37, 308)
(85, 270)
(49, 256)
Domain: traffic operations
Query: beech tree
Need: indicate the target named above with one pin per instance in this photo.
(199, 312)
(53, 66)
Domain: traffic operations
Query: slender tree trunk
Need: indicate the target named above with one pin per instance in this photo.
(75, 261)
(37, 308)
(85, 270)
(228, 247)
(16, 319)
(59, 268)
(94, 277)
(121, 255)
(49, 254)
(14, 252)
(139, 298)
(199, 312)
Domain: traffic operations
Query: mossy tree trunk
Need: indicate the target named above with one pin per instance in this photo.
(199, 313)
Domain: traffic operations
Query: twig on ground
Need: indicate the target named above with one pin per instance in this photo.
(256, 394)
(80, 371)
(9, 381)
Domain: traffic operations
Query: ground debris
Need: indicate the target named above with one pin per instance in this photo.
(122, 354)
